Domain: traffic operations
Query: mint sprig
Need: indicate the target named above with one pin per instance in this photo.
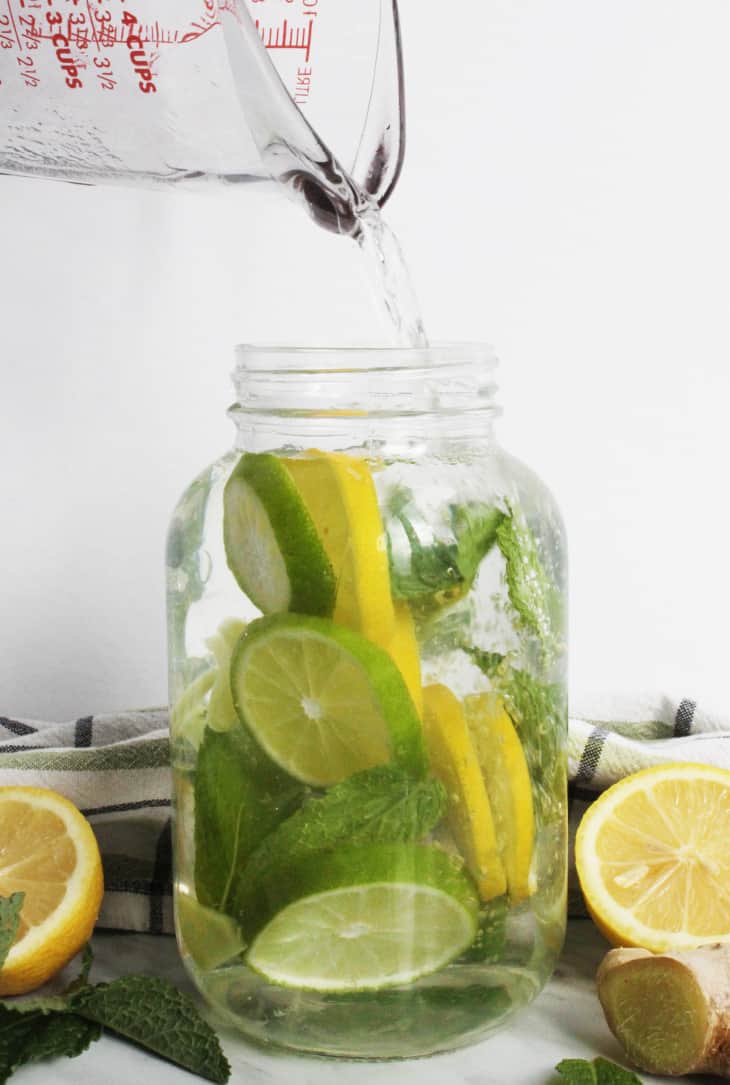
(144, 1009)
(9, 922)
(598, 1072)
(154, 1014)
(437, 564)
(32, 1036)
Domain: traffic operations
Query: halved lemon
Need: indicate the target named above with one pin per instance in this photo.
(653, 859)
(48, 852)
(469, 814)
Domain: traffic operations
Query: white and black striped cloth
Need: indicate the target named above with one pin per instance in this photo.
(116, 769)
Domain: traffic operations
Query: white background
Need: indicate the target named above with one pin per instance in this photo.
(566, 196)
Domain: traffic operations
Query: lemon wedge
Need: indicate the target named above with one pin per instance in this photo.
(455, 763)
(48, 852)
(653, 860)
(502, 760)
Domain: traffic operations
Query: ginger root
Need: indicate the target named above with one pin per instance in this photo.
(670, 1012)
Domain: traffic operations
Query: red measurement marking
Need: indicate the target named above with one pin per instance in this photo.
(287, 37)
(12, 20)
(93, 28)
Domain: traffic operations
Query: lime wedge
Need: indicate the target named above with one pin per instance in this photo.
(271, 543)
(208, 937)
(365, 918)
(322, 701)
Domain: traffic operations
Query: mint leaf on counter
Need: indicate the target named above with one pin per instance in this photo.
(30, 1037)
(154, 1014)
(148, 1011)
(9, 922)
(382, 805)
(598, 1072)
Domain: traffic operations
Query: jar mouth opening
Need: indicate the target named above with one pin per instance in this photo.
(438, 356)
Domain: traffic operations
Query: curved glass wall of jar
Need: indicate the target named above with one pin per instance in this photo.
(368, 707)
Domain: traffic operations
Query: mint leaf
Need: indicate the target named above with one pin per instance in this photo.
(475, 527)
(9, 922)
(530, 591)
(30, 1037)
(240, 797)
(155, 1015)
(382, 805)
(148, 1011)
(598, 1072)
(427, 560)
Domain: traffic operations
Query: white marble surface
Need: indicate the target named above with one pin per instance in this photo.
(565, 1021)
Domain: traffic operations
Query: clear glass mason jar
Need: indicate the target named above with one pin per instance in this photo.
(368, 708)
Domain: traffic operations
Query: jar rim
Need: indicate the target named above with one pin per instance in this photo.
(282, 359)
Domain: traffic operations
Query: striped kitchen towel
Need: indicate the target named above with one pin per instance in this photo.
(116, 769)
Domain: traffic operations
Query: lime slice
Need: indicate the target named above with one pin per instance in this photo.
(208, 937)
(507, 777)
(469, 814)
(271, 543)
(365, 918)
(322, 701)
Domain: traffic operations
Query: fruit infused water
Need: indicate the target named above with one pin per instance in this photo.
(368, 713)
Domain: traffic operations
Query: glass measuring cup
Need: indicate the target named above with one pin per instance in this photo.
(174, 91)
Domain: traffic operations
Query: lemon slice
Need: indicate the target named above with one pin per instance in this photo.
(48, 852)
(455, 763)
(653, 860)
(340, 497)
(403, 650)
(507, 777)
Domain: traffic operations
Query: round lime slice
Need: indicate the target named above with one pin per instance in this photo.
(271, 543)
(323, 701)
(365, 918)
